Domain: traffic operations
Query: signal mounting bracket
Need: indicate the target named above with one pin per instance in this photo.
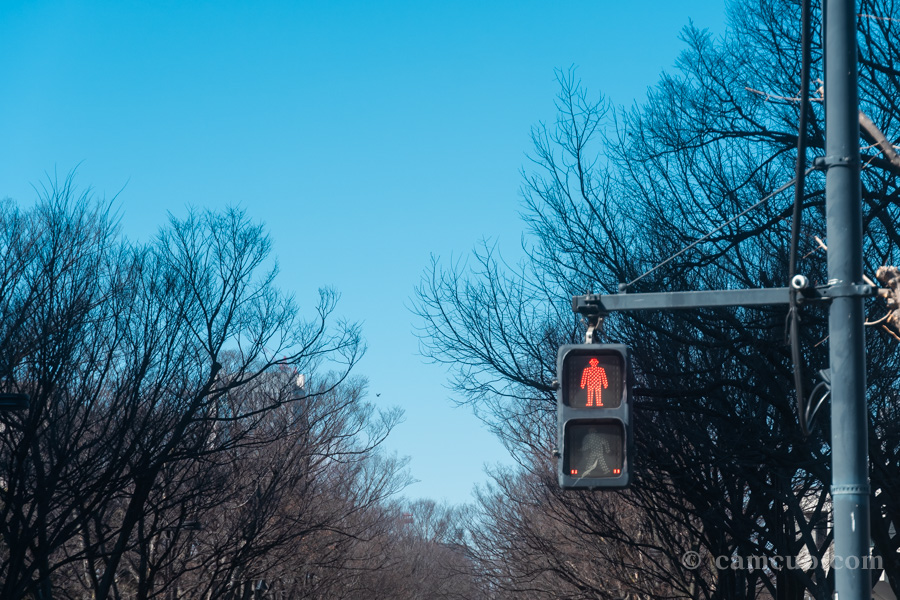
(594, 323)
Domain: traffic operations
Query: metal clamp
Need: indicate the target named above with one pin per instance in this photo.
(595, 322)
(826, 162)
(848, 290)
(587, 305)
(843, 490)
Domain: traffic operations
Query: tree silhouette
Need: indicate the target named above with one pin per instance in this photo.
(723, 468)
(166, 448)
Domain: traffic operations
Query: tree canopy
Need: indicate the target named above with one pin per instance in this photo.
(188, 429)
(723, 467)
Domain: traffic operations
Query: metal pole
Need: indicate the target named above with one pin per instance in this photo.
(849, 424)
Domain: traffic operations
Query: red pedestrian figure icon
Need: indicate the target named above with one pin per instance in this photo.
(594, 378)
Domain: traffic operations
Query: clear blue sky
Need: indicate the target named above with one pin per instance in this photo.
(366, 135)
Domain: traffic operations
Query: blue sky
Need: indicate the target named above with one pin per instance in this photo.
(368, 136)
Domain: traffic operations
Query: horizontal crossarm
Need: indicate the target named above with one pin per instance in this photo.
(593, 304)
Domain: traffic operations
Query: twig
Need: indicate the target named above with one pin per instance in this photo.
(894, 335)
(878, 321)
(777, 97)
(878, 18)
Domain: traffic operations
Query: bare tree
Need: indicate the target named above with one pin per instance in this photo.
(723, 468)
(163, 385)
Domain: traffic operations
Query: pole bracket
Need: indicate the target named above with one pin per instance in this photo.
(844, 490)
(823, 163)
(848, 290)
(595, 323)
(587, 310)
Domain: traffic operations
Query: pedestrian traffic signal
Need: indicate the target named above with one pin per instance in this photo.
(594, 415)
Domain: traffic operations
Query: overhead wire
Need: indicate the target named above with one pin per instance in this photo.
(799, 191)
(709, 234)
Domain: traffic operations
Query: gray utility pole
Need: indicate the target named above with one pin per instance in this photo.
(845, 291)
(846, 342)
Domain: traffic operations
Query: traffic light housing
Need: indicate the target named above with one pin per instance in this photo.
(594, 416)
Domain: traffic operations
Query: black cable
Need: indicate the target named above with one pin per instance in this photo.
(811, 412)
(797, 361)
(800, 183)
(800, 171)
(624, 286)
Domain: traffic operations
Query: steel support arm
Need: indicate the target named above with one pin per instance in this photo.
(593, 304)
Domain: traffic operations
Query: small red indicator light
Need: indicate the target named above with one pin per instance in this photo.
(574, 471)
(617, 471)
